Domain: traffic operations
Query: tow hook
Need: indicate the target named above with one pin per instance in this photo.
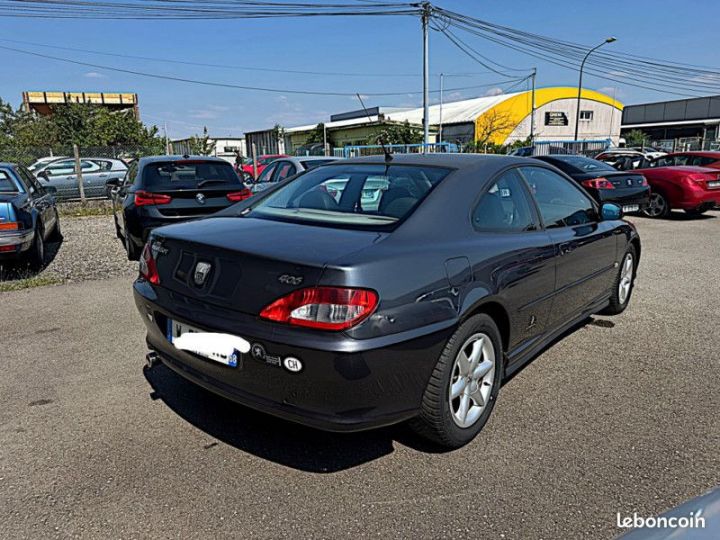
(152, 359)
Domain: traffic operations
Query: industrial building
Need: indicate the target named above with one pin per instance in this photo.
(500, 119)
(43, 102)
(682, 124)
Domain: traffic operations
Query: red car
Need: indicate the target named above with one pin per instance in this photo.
(693, 189)
(694, 158)
(262, 162)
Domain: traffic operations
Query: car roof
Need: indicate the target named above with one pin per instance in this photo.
(7, 164)
(702, 153)
(455, 161)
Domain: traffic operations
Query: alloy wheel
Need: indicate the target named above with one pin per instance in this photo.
(626, 275)
(471, 382)
(657, 205)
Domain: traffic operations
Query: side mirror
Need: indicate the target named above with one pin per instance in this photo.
(43, 175)
(610, 212)
(113, 182)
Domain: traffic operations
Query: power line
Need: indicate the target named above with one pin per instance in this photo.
(234, 86)
(231, 66)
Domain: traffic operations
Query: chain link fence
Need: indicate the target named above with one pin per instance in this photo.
(29, 155)
(84, 178)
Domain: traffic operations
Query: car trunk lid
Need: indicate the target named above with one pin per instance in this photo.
(249, 262)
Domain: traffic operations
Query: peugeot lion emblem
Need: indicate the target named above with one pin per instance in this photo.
(200, 198)
(202, 269)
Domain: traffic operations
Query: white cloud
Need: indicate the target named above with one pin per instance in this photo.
(496, 91)
(94, 75)
(611, 91)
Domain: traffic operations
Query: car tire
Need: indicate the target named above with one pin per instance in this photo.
(56, 235)
(623, 283)
(450, 421)
(659, 207)
(117, 228)
(695, 211)
(133, 253)
(36, 255)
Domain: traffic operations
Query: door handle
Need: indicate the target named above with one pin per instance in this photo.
(566, 248)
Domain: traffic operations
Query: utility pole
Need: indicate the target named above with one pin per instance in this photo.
(325, 146)
(440, 135)
(167, 142)
(426, 12)
(532, 108)
(582, 66)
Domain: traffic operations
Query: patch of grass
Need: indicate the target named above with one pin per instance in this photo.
(84, 211)
(27, 283)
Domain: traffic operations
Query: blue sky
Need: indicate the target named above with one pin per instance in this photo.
(685, 32)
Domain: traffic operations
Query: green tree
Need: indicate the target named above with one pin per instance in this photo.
(201, 146)
(636, 137)
(397, 134)
(318, 135)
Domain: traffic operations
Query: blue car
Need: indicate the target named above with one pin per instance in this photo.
(28, 216)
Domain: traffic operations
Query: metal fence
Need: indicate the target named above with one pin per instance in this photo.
(585, 148)
(28, 155)
(376, 149)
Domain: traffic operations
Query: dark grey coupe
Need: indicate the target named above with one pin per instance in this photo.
(374, 291)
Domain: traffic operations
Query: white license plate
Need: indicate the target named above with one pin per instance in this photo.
(223, 348)
(714, 184)
(631, 208)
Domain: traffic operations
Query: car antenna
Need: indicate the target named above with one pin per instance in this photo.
(388, 155)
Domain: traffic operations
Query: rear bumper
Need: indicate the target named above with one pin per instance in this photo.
(700, 202)
(640, 198)
(337, 390)
(20, 240)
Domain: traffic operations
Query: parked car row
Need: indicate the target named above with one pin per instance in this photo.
(60, 174)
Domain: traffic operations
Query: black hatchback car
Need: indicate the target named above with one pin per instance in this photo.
(627, 189)
(345, 310)
(161, 190)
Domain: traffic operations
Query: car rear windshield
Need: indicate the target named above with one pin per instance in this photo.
(312, 163)
(188, 174)
(352, 195)
(585, 164)
(7, 185)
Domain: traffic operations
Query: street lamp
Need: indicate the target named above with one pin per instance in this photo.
(582, 66)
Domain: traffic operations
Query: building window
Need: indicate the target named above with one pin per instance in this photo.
(586, 115)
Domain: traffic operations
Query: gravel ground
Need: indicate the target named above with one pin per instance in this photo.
(89, 250)
(620, 416)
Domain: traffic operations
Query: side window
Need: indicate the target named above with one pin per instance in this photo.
(30, 182)
(267, 173)
(67, 166)
(284, 169)
(561, 203)
(505, 206)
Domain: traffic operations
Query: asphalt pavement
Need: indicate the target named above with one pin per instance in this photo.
(620, 416)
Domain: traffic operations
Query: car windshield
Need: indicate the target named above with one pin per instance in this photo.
(6, 183)
(353, 195)
(586, 164)
(188, 174)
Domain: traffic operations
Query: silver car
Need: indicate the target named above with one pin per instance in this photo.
(60, 174)
(283, 168)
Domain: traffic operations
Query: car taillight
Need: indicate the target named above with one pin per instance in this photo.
(598, 183)
(237, 196)
(148, 267)
(644, 181)
(325, 308)
(10, 226)
(145, 198)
